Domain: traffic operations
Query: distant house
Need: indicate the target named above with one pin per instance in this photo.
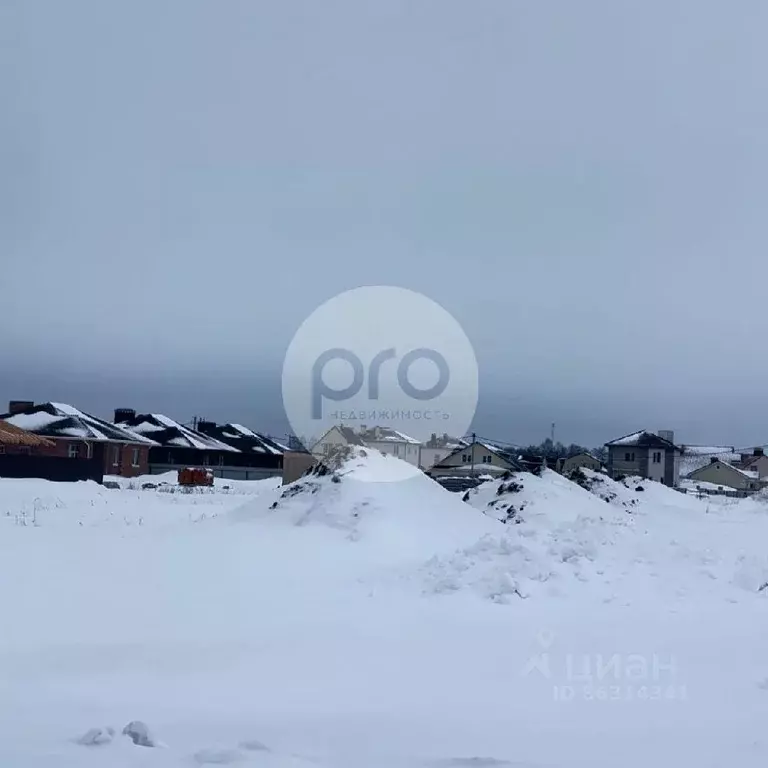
(756, 461)
(259, 454)
(438, 447)
(694, 457)
(76, 434)
(336, 437)
(725, 466)
(179, 446)
(720, 473)
(384, 439)
(645, 454)
(392, 442)
(477, 458)
(581, 461)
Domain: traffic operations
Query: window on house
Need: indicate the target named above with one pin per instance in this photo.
(116, 456)
(135, 457)
(73, 451)
(629, 457)
(465, 458)
(206, 460)
(396, 450)
(221, 460)
(487, 459)
(2, 449)
(657, 457)
(170, 457)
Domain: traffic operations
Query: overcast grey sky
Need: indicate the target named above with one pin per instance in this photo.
(581, 184)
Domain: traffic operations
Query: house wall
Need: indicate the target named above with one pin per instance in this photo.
(405, 451)
(126, 459)
(627, 460)
(657, 470)
(581, 460)
(432, 456)
(103, 451)
(721, 473)
(672, 469)
(483, 458)
(331, 439)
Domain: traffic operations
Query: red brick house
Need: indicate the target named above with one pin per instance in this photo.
(75, 434)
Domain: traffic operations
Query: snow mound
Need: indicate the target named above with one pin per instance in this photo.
(611, 540)
(360, 495)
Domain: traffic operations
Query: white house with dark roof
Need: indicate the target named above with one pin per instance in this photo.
(645, 454)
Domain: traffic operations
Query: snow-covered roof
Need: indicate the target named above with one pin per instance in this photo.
(63, 420)
(166, 431)
(387, 435)
(643, 439)
(632, 439)
(243, 438)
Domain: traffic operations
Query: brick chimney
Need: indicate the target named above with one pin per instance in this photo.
(19, 406)
(205, 426)
(123, 415)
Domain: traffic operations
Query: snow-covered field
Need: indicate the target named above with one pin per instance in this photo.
(345, 622)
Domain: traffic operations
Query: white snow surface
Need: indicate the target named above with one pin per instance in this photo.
(341, 622)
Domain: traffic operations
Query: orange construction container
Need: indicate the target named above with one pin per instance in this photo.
(195, 476)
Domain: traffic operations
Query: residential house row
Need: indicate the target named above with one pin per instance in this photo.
(131, 445)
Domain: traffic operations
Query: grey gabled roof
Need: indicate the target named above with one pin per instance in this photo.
(641, 439)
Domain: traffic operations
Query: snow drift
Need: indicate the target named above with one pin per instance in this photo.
(342, 622)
